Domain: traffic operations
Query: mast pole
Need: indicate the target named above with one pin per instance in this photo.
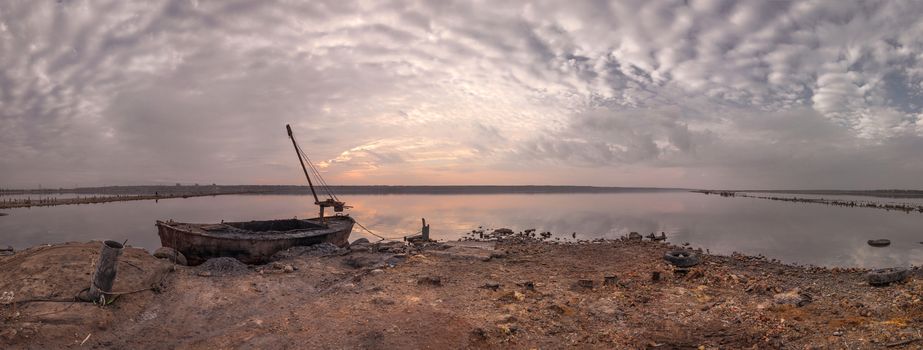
(316, 201)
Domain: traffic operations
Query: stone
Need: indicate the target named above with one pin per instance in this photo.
(610, 280)
(392, 247)
(512, 296)
(171, 255)
(358, 262)
(360, 241)
(491, 285)
(634, 236)
(583, 284)
(479, 334)
(527, 285)
(288, 269)
(792, 297)
(435, 281)
(502, 232)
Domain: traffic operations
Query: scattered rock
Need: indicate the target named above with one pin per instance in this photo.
(7, 251)
(360, 241)
(502, 232)
(358, 262)
(610, 280)
(583, 284)
(792, 297)
(223, 267)
(434, 281)
(655, 276)
(558, 309)
(321, 249)
(395, 259)
(491, 285)
(506, 329)
(377, 271)
(171, 255)
(288, 269)
(512, 296)
(391, 247)
(634, 236)
(527, 285)
(478, 334)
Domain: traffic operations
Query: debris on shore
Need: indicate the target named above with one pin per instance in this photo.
(529, 294)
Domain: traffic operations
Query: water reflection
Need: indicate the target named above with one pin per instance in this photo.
(792, 232)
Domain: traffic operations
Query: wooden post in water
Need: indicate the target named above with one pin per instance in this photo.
(106, 269)
(425, 231)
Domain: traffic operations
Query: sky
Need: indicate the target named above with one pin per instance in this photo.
(704, 94)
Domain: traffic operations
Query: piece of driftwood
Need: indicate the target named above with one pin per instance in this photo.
(106, 269)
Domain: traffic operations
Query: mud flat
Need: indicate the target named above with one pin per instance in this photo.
(518, 293)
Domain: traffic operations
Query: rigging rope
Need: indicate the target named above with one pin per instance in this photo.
(321, 181)
(320, 178)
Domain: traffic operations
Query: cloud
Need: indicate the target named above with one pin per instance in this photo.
(99, 92)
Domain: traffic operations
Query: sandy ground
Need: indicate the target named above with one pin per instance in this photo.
(519, 294)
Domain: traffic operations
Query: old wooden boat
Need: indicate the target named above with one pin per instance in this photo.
(252, 242)
(255, 242)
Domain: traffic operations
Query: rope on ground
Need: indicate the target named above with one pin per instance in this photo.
(381, 238)
(76, 298)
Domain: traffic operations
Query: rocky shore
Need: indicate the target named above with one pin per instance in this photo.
(507, 291)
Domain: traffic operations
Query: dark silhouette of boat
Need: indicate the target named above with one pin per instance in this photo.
(255, 242)
(252, 242)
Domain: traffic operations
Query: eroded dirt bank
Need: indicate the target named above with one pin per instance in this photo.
(522, 294)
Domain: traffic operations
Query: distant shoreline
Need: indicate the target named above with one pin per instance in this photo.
(292, 189)
(195, 190)
(865, 193)
(54, 201)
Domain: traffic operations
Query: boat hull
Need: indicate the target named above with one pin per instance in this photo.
(200, 242)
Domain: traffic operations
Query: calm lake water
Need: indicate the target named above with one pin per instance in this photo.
(792, 232)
